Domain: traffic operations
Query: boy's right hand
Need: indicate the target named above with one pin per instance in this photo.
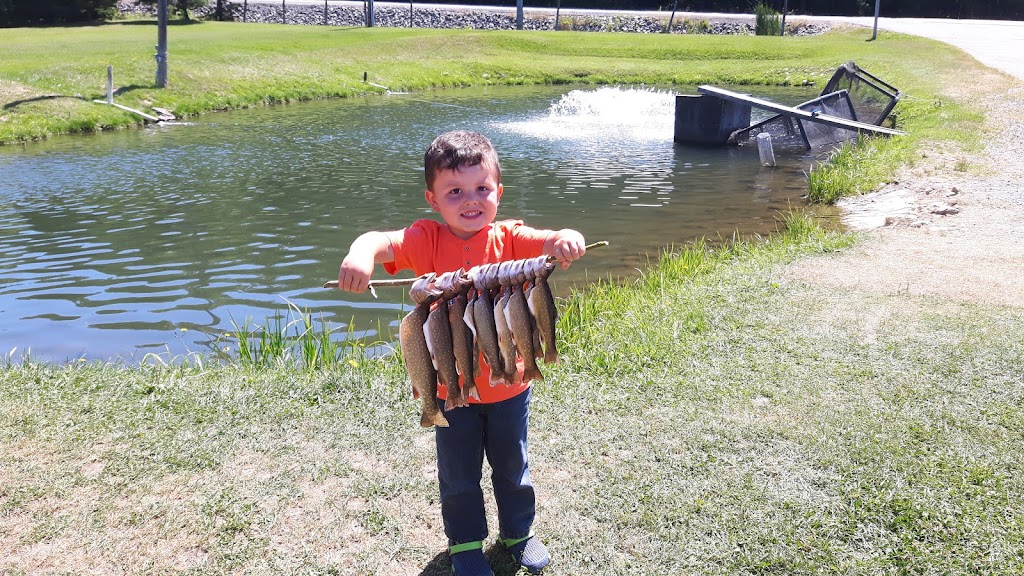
(355, 272)
(366, 251)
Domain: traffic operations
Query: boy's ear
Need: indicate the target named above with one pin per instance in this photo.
(430, 199)
(501, 190)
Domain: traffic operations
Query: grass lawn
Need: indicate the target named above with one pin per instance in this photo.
(710, 417)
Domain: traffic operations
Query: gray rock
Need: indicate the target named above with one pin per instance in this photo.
(459, 17)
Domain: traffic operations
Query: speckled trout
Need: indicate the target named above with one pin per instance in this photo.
(438, 334)
(462, 337)
(416, 355)
(542, 306)
(484, 323)
(517, 314)
(506, 344)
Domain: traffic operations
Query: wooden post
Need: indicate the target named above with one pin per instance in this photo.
(110, 84)
(785, 8)
(161, 44)
(370, 17)
(325, 12)
(519, 14)
(410, 13)
(558, 8)
(245, 10)
(284, 19)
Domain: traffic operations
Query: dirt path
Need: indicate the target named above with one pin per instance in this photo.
(951, 226)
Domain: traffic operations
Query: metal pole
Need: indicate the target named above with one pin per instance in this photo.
(325, 12)
(284, 19)
(161, 44)
(370, 20)
(874, 31)
(519, 14)
(245, 10)
(785, 8)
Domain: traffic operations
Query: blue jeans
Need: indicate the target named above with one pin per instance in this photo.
(498, 431)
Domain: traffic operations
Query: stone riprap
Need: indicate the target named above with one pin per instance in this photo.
(467, 18)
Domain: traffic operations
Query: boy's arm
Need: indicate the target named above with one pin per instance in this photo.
(369, 249)
(566, 245)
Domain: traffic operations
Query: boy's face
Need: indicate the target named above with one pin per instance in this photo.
(467, 198)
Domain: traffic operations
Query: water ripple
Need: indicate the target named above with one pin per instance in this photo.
(160, 239)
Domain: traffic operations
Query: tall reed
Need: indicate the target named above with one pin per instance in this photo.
(296, 340)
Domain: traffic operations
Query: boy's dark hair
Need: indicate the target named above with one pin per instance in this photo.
(458, 148)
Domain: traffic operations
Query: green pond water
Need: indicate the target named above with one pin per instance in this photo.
(116, 245)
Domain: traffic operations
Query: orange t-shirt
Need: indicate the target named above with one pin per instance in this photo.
(428, 246)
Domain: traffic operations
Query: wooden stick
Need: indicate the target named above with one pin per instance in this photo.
(408, 281)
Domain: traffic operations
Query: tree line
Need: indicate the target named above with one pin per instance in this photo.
(37, 12)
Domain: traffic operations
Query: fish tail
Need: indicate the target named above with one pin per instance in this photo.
(532, 373)
(494, 379)
(433, 418)
(455, 399)
(550, 354)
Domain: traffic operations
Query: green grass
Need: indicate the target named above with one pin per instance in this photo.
(708, 417)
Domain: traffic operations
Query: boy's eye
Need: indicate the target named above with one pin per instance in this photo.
(455, 191)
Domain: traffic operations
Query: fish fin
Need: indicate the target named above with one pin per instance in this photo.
(532, 373)
(456, 398)
(433, 419)
(535, 335)
(551, 354)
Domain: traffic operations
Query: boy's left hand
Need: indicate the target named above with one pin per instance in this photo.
(568, 246)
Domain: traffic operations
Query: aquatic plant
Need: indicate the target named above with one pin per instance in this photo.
(296, 340)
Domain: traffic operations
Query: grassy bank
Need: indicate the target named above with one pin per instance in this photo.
(711, 417)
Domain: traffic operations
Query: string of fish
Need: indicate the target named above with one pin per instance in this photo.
(503, 312)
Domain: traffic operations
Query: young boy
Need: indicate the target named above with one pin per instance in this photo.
(464, 186)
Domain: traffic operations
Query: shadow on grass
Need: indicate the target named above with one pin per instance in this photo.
(131, 87)
(178, 22)
(16, 103)
(500, 560)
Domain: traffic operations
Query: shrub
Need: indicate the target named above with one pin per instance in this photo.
(767, 22)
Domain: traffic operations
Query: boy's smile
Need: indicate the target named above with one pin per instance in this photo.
(467, 198)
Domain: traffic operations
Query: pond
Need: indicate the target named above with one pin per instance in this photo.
(120, 244)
